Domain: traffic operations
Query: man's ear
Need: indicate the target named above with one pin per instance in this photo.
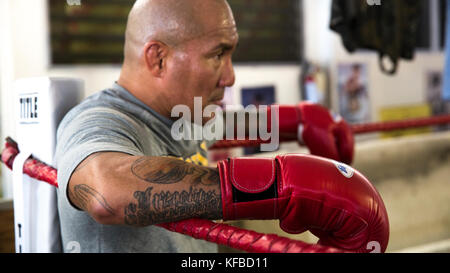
(155, 54)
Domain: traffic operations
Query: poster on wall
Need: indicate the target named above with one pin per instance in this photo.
(434, 93)
(353, 92)
(315, 85)
(257, 96)
(404, 112)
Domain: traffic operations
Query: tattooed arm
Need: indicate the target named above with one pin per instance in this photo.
(116, 188)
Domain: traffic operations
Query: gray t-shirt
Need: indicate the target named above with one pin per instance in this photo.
(115, 120)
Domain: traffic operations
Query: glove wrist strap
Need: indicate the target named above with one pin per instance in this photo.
(249, 188)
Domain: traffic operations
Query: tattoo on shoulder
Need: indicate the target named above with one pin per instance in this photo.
(82, 194)
(169, 171)
(153, 208)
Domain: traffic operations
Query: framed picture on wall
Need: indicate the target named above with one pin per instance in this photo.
(434, 87)
(353, 92)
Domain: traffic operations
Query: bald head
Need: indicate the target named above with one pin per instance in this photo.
(171, 22)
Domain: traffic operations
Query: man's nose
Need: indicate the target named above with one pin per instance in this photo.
(228, 77)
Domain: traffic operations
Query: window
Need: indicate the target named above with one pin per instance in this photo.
(92, 32)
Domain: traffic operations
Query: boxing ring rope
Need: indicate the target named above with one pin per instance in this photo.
(219, 233)
(361, 128)
(397, 125)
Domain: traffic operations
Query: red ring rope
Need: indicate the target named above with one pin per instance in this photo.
(397, 125)
(356, 128)
(198, 228)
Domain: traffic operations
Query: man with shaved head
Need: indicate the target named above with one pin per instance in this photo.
(175, 50)
(120, 171)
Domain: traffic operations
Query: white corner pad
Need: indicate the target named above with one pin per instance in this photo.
(18, 201)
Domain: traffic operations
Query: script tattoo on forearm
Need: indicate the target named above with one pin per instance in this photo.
(82, 194)
(153, 208)
(169, 171)
(201, 200)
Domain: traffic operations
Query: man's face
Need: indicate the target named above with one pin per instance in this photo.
(202, 67)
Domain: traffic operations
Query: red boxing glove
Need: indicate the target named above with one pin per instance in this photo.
(328, 198)
(318, 130)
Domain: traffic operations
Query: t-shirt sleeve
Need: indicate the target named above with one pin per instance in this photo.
(94, 130)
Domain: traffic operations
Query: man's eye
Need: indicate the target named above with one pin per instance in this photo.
(220, 55)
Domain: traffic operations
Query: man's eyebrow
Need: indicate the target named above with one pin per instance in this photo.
(224, 46)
